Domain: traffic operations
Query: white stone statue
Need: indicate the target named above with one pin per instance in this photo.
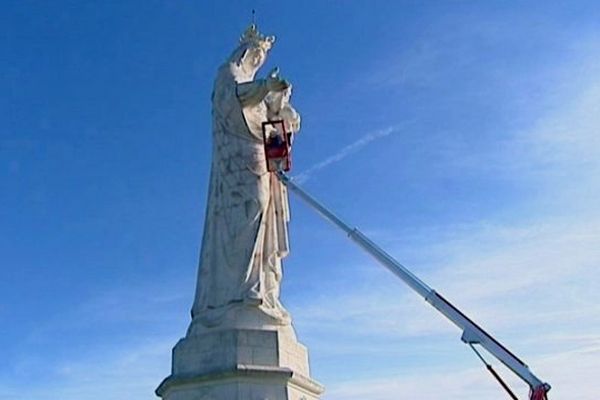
(241, 344)
(245, 232)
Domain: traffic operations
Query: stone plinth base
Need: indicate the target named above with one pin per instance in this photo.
(240, 364)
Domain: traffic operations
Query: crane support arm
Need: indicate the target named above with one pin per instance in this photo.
(471, 332)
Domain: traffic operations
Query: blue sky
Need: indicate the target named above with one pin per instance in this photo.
(462, 136)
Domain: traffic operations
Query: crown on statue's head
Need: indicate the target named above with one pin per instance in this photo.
(252, 37)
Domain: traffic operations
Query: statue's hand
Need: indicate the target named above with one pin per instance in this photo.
(275, 83)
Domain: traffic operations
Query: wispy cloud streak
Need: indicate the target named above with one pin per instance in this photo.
(119, 373)
(474, 383)
(345, 152)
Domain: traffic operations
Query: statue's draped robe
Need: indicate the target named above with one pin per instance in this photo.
(245, 232)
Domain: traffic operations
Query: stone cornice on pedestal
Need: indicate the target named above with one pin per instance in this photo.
(241, 372)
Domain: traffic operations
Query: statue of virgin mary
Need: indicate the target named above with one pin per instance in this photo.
(245, 231)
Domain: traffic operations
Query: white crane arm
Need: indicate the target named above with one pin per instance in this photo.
(471, 332)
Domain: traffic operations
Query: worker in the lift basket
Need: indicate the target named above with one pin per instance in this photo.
(276, 146)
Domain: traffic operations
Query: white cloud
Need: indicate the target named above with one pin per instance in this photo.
(345, 152)
(131, 372)
(537, 291)
(491, 277)
(574, 372)
(126, 334)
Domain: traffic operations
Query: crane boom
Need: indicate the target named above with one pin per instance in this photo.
(471, 332)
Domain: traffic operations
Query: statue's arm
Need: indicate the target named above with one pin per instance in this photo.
(252, 93)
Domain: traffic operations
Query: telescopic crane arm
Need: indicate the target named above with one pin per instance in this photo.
(471, 333)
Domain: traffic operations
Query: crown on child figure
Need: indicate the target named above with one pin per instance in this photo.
(253, 38)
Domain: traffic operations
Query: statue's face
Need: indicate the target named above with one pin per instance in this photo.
(255, 57)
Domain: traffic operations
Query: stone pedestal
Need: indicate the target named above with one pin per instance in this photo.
(240, 363)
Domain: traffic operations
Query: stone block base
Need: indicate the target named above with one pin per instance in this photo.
(240, 364)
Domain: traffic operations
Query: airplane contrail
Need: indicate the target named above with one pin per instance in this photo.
(345, 152)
